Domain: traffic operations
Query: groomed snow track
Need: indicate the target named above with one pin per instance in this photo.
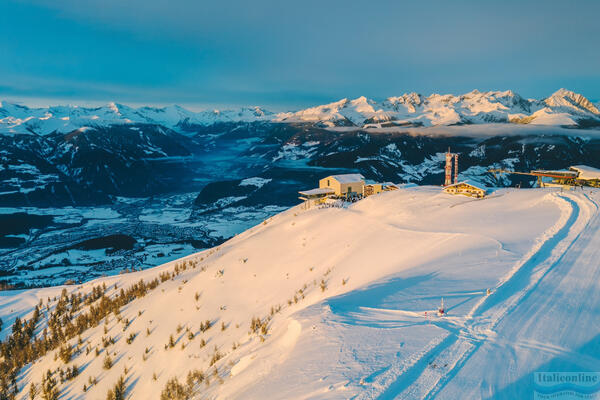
(507, 325)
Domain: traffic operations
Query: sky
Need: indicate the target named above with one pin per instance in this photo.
(291, 54)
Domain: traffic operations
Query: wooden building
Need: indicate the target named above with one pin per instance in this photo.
(347, 185)
(375, 188)
(466, 188)
(372, 188)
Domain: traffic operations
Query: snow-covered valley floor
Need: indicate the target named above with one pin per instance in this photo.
(346, 300)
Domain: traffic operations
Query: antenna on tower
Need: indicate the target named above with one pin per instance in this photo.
(455, 168)
(448, 169)
(450, 157)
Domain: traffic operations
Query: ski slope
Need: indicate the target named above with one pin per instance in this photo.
(357, 290)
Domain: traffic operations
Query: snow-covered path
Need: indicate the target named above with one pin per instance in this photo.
(554, 325)
(541, 317)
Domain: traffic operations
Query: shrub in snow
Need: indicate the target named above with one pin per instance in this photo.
(194, 377)
(65, 353)
(71, 372)
(323, 285)
(49, 390)
(131, 338)
(108, 362)
(204, 326)
(215, 357)
(174, 390)
(33, 390)
(118, 391)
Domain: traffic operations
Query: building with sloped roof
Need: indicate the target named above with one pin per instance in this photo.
(346, 185)
(466, 188)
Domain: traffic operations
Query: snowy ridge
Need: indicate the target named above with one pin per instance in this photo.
(16, 118)
(563, 108)
(335, 329)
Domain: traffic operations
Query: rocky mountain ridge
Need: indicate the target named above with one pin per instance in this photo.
(562, 108)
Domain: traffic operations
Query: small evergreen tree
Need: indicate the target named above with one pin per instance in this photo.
(107, 362)
(33, 390)
(49, 390)
(118, 391)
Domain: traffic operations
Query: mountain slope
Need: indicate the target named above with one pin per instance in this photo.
(342, 295)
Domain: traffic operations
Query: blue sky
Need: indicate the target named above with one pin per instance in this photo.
(285, 54)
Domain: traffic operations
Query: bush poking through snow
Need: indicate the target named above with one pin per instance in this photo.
(71, 373)
(204, 326)
(107, 341)
(108, 362)
(49, 390)
(65, 353)
(194, 377)
(174, 390)
(118, 391)
(33, 391)
(257, 325)
(323, 285)
(215, 357)
(131, 338)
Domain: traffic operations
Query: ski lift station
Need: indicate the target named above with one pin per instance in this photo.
(578, 175)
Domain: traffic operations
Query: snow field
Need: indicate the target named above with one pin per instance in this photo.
(344, 294)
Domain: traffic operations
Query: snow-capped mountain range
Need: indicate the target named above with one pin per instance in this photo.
(563, 108)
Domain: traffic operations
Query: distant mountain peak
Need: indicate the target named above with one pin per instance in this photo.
(569, 99)
(563, 107)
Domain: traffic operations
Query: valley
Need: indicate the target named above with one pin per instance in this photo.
(169, 182)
